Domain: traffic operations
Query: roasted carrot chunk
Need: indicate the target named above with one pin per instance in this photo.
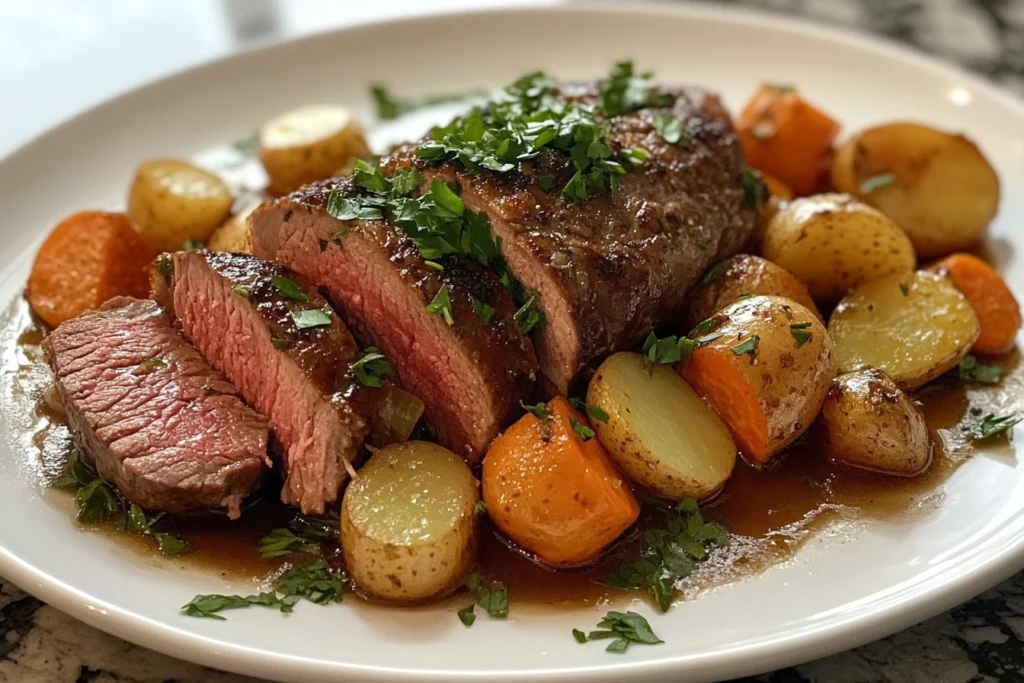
(88, 258)
(786, 137)
(554, 492)
(714, 374)
(989, 296)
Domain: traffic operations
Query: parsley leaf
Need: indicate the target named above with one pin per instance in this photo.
(305, 320)
(279, 343)
(669, 554)
(973, 370)
(991, 426)
(480, 508)
(289, 289)
(801, 333)
(372, 367)
(529, 316)
(192, 245)
(491, 595)
(748, 346)
(390, 107)
(905, 288)
(539, 411)
(670, 129)
(667, 350)
(484, 310)
(751, 187)
(625, 91)
(582, 430)
(595, 412)
(467, 615)
(714, 272)
(877, 181)
(148, 366)
(442, 305)
(623, 629)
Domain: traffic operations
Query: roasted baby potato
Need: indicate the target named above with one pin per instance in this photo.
(173, 202)
(765, 365)
(937, 186)
(233, 234)
(309, 144)
(739, 277)
(408, 524)
(832, 242)
(659, 432)
(868, 422)
(913, 326)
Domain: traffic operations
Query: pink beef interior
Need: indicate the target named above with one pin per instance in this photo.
(233, 337)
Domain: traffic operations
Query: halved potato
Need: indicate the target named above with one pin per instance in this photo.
(832, 242)
(309, 144)
(173, 201)
(868, 422)
(740, 277)
(765, 366)
(914, 327)
(408, 527)
(659, 431)
(233, 234)
(937, 186)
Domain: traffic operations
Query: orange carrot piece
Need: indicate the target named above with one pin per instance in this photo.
(990, 298)
(776, 187)
(558, 496)
(88, 258)
(785, 136)
(714, 376)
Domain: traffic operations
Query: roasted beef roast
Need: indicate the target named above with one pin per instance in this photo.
(270, 332)
(151, 415)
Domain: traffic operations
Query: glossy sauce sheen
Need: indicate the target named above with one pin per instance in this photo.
(770, 513)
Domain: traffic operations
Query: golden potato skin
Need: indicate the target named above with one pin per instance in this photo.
(233, 234)
(944, 190)
(914, 327)
(869, 422)
(790, 382)
(832, 243)
(309, 144)
(408, 562)
(174, 201)
(659, 432)
(740, 276)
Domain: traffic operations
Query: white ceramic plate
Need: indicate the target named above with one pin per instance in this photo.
(832, 596)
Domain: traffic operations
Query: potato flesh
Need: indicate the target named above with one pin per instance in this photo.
(944, 193)
(660, 432)
(410, 493)
(913, 327)
(832, 242)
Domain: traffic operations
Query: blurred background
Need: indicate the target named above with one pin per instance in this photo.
(58, 57)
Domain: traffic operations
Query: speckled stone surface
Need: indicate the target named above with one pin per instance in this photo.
(979, 642)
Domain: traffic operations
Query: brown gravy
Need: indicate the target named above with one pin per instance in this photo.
(770, 513)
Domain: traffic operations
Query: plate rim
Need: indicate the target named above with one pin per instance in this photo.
(843, 633)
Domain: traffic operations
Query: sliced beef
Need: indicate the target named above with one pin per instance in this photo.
(610, 269)
(151, 415)
(270, 332)
(471, 374)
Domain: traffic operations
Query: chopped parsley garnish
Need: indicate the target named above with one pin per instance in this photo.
(148, 366)
(991, 425)
(305, 320)
(433, 264)
(582, 430)
(193, 245)
(529, 316)
(595, 412)
(280, 344)
(625, 91)
(480, 508)
(905, 288)
(97, 502)
(623, 628)
(801, 333)
(751, 187)
(315, 581)
(633, 157)
(491, 595)
(241, 291)
(973, 370)
(289, 289)
(300, 536)
(372, 367)
(248, 146)
(391, 107)
(442, 305)
(467, 615)
(714, 272)
(539, 411)
(667, 350)
(703, 327)
(165, 266)
(748, 346)
(484, 310)
(876, 182)
(669, 554)
(670, 129)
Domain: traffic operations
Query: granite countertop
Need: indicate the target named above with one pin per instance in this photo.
(978, 642)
